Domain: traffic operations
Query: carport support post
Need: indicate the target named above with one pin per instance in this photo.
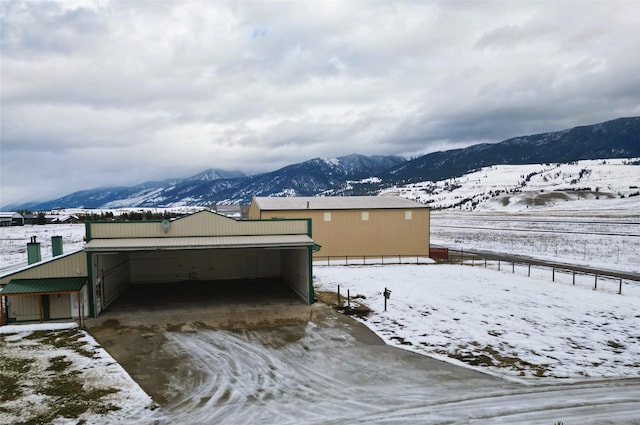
(40, 303)
(79, 310)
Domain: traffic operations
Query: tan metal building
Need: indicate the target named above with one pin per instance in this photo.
(355, 226)
(199, 248)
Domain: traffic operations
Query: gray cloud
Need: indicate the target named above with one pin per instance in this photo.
(98, 93)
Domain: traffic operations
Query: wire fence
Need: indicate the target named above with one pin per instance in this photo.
(605, 280)
(597, 279)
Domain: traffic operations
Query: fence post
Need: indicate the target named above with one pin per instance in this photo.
(485, 262)
(461, 255)
(513, 267)
(620, 287)
(529, 270)
(595, 281)
(553, 274)
(338, 294)
(574, 277)
(498, 265)
(348, 299)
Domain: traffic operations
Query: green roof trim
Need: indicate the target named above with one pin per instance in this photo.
(43, 286)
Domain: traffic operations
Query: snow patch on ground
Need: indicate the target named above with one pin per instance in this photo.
(56, 373)
(507, 324)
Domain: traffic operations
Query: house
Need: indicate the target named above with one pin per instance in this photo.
(355, 226)
(204, 248)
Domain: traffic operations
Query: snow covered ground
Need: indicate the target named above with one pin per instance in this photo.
(502, 323)
(70, 379)
(607, 239)
(14, 239)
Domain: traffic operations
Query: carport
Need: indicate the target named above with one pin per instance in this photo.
(203, 255)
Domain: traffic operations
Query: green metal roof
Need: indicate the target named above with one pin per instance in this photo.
(43, 286)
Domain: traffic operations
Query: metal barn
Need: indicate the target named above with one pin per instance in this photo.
(354, 226)
(204, 247)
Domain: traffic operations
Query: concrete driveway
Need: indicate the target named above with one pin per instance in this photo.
(288, 363)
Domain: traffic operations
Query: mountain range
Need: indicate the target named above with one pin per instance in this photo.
(361, 175)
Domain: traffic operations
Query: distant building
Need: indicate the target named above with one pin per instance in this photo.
(234, 211)
(11, 219)
(352, 226)
(61, 219)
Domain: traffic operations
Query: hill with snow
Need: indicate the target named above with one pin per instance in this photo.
(588, 184)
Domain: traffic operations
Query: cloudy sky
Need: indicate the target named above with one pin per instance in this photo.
(101, 93)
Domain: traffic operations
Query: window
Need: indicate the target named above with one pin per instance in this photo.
(327, 216)
(365, 215)
(408, 215)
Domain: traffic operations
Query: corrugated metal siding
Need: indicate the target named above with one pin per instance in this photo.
(178, 266)
(386, 232)
(204, 223)
(24, 308)
(44, 285)
(59, 306)
(74, 264)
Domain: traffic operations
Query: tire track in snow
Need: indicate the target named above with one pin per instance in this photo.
(234, 377)
(326, 377)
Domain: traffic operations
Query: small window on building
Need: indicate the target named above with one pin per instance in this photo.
(365, 215)
(327, 216)
(408, 215)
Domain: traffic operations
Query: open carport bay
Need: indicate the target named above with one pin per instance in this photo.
(164, 277)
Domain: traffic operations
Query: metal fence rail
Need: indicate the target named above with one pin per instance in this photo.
(371, 259)
(505, 262)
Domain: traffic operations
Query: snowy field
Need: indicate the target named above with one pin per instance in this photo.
(505, 324)
(14, 239)
(606, 239)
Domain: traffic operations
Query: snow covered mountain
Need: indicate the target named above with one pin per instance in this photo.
(372, 175)
(227, 188)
